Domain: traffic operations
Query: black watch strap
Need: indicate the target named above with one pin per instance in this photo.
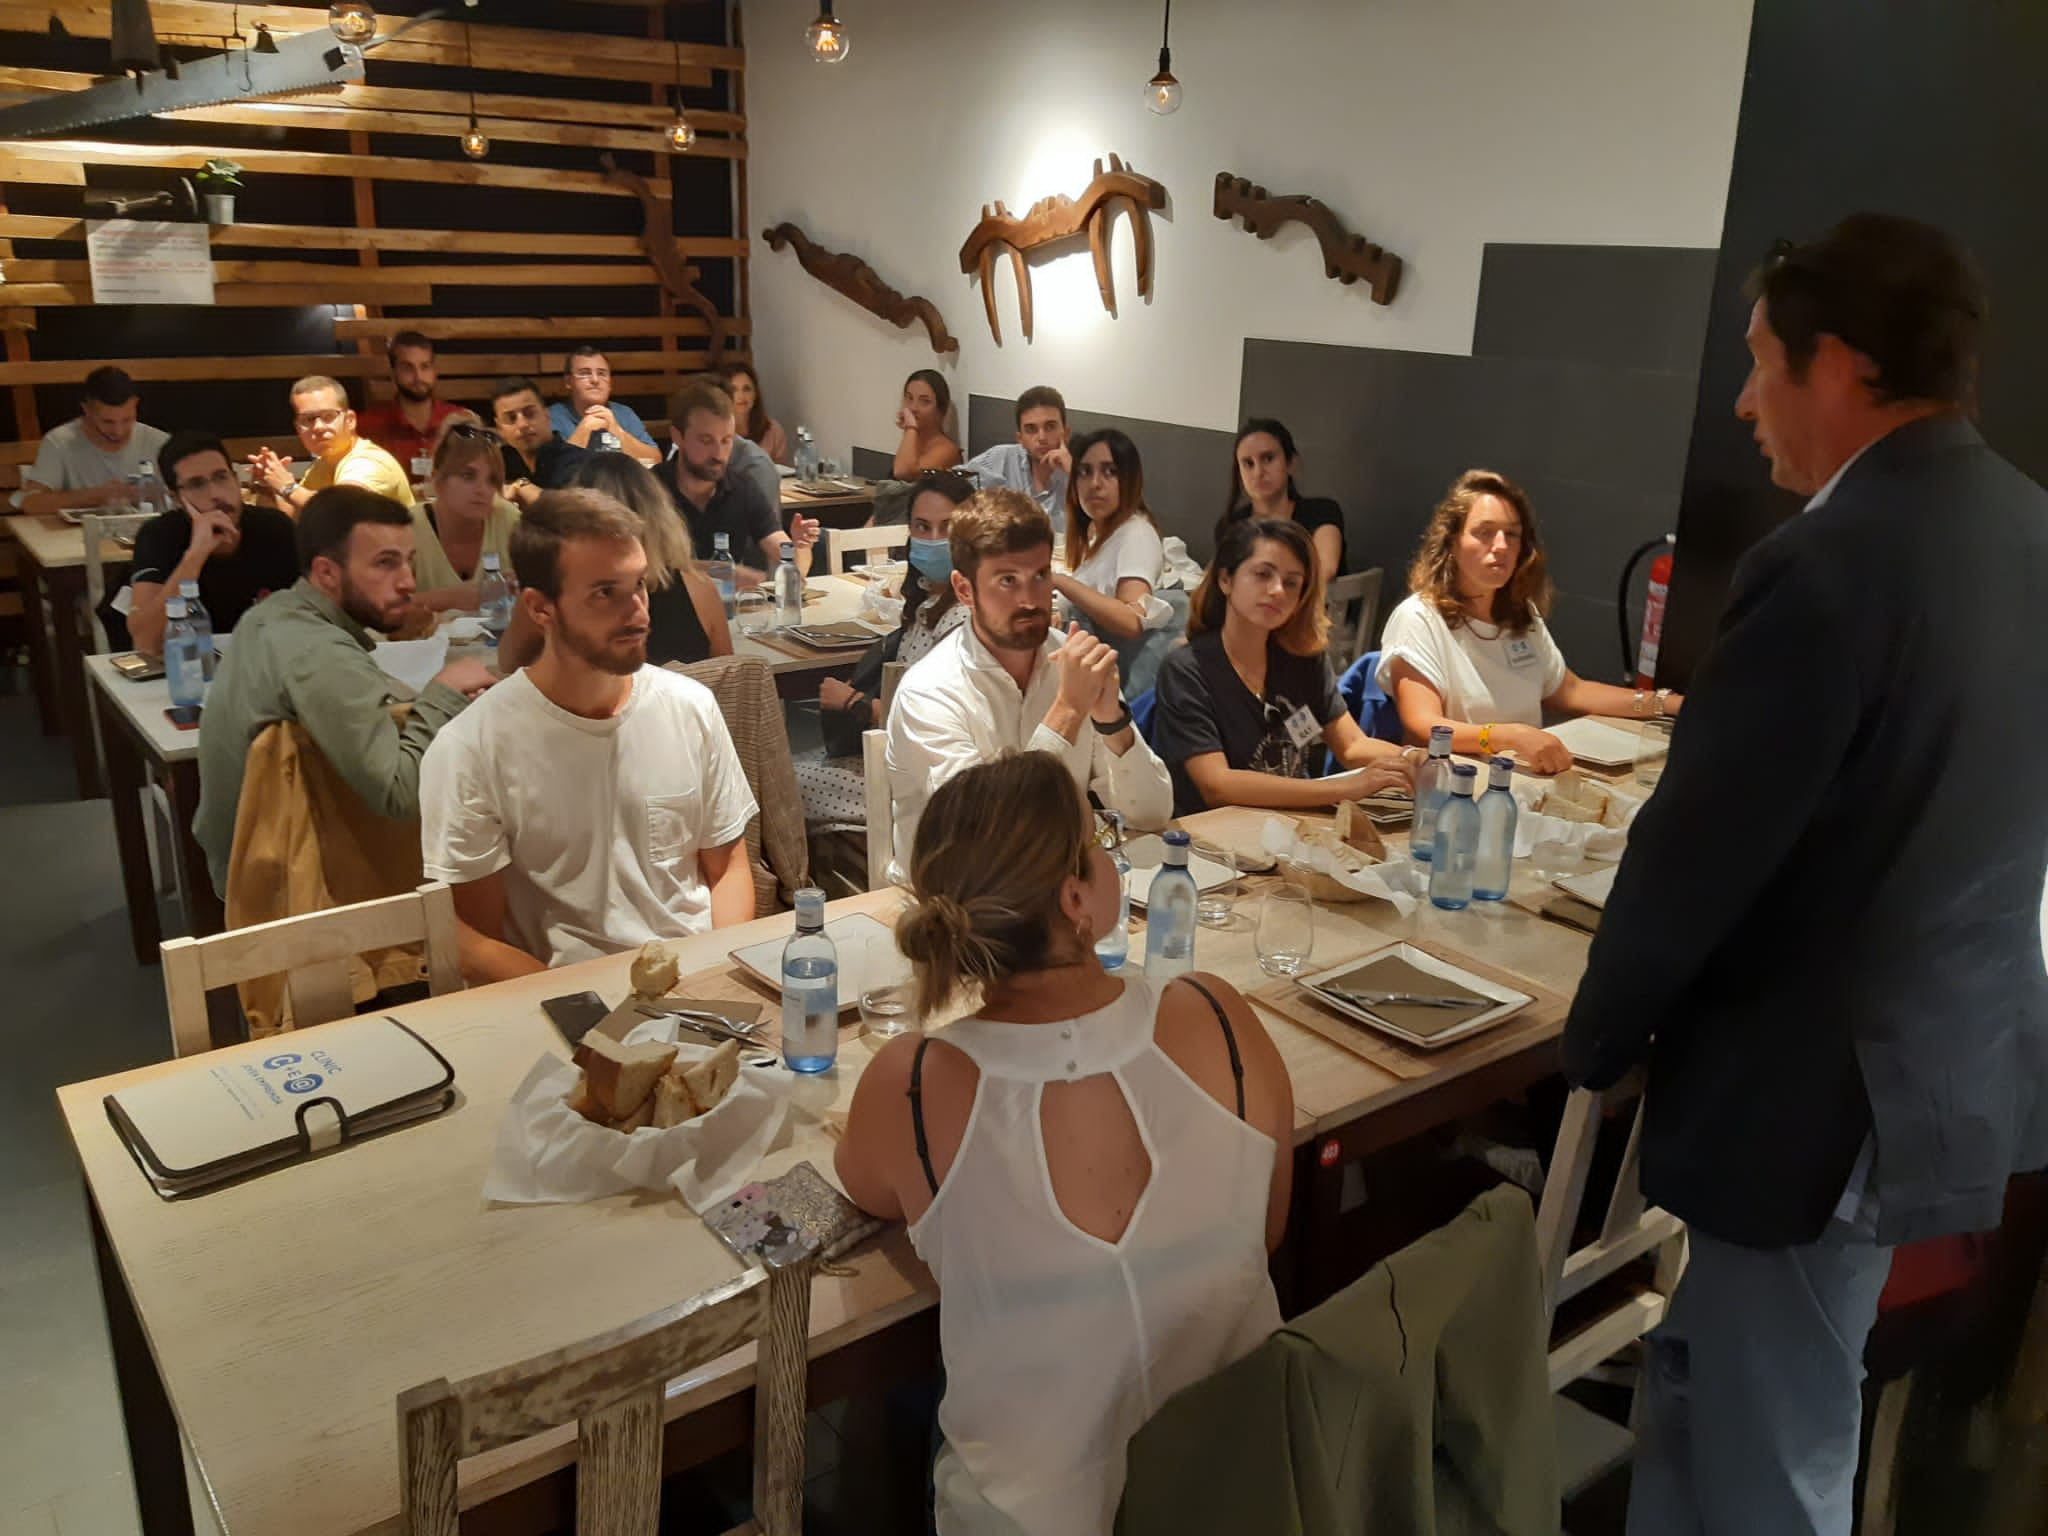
(1110, 728)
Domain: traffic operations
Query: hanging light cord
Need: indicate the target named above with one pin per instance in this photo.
(1166, 28)
(469, 67)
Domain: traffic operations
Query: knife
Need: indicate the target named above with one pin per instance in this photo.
(1411, 999)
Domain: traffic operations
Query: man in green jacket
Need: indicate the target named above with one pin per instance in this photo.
(304, 654)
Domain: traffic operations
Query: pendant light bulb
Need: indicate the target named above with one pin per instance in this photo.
(474, 144)
(680, 134)
(1162, 91)
(353, 21)
(827, 38)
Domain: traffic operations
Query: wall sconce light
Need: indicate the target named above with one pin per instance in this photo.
(827, 37)
(1162, 91)
(353, 21)
(680, 134)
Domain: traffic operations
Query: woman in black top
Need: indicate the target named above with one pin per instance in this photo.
(1247, 705)
(1262, 470)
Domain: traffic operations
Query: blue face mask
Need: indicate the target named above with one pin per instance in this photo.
(933, 560)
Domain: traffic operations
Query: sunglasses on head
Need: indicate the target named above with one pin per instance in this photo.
(476, 433)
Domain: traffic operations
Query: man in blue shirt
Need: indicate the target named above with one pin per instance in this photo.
(589, 418)
(1038, 462)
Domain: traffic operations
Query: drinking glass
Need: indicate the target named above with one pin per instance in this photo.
(885, 1012)
(1653, 745)
(1287, 930)
(754, 611)
(1213, 907)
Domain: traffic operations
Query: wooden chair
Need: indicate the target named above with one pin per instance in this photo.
(97, 528)
(313, 954)
(874, 762)
(1353, 604)
(611, 1387)
(838, 541)
(892, 674)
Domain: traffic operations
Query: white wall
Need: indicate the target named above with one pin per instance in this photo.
(1430, 126)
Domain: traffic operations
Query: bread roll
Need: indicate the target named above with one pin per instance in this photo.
(673, 1103)
(1356, 828)
(654, 969)
(1320, 886)
(642, 1116)
(621, 1077)
(712, 1078)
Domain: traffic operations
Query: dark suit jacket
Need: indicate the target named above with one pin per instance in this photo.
(1829, 917)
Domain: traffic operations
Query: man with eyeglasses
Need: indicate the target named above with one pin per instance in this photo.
(238, 554)
(327, 428)
(588, 417)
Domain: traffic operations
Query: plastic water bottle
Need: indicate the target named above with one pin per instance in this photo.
(1495, 861)
(719, 569)
(184, 667)
(201, 622)
(494, 599)
(1432, 783)
(1170, 915)
(810, 989)
(789, 590)
(806, 455)
(1114, 947)
(1457, 842)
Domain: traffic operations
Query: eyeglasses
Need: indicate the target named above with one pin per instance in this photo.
(219, 480)
(320, 418)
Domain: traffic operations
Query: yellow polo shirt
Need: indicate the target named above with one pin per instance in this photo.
(366, 465)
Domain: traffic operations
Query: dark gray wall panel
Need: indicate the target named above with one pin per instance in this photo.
(1623, 306)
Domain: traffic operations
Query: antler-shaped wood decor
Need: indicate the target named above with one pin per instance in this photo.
(854, 278)
(657, 239)
(1346, 257)
(1052, 220)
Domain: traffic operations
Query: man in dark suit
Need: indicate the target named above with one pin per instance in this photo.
(1825, 941)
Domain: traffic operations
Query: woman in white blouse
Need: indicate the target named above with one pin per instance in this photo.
(1468, 648)
(1113, 555)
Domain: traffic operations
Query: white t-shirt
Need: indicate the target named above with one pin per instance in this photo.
(1486, 675)
(597, 823)
(1134, 550)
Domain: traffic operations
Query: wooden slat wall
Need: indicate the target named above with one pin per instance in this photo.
(546, 135)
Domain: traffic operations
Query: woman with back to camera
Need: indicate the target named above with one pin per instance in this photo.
(1019, 1141)
(750, 410)
(1263, 465)
(1114, 556)
(1468, 647)
(922, 420)
(1242, 704)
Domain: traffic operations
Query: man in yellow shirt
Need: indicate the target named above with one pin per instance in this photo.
(327, 428)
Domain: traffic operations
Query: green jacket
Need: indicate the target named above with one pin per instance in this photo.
(297, 656)
(1416, 1402)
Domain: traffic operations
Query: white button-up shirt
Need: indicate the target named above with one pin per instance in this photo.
(959, 707)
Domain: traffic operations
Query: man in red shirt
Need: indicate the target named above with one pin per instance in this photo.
(410, 425)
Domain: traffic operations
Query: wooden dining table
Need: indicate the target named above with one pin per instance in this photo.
(52, 568)
(270, 1325)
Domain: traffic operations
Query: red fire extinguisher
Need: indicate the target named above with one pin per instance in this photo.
(1653, 615)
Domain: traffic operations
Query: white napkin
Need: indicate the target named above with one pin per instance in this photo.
(1385, 881)
(547, 1153)
(411, 662)
(1182, 569)
(1586, 840)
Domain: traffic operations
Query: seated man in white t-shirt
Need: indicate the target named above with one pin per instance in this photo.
(1468, 648)
(598, 803)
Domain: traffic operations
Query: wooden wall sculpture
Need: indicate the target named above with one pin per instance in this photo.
(1346, 257)
(849, 275)
(1052, 220)
(658, 242)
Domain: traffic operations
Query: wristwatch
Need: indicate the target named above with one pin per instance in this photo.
(1663, 702)
(1111, 727)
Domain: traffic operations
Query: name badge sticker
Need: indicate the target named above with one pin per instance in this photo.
(1521, 651)
(1302, 728)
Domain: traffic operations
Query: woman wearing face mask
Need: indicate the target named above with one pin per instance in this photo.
(465, 518)
(833, 785)
(1468, 648)
(922, 420)
(1114, 556)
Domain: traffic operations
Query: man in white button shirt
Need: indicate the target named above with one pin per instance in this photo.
(1003, 682)
(601, 803)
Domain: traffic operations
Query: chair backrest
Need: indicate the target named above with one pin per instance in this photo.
(1375, 713)
(777, 851)
(874, 766)
(838, 541)
(313, 954)
(1353, 604)
(97, 528)
(892, 675)
(1630, 1230)
(611, 1388)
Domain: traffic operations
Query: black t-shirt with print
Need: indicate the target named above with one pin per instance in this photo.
(265, 561)
(1204, 706)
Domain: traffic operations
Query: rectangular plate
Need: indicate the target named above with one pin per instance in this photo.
(868, 957)
(1208, 875)
(1507, 999)
(1603, 743)
(1593, 887)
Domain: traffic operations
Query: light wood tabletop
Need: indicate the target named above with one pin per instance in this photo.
(285, 1314)
(56, 545)
(841, 600)
(142, 705)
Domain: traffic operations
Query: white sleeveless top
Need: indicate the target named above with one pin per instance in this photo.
(1057, 1345)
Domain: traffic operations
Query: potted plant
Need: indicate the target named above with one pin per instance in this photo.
(219, 180)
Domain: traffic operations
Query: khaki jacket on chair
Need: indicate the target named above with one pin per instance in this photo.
(305, 842)
(1416, 1402)
(776, 851)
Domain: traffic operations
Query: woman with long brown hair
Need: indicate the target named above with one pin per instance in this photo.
(1468, 647)
(922, 420)
(1263, 464)
(1098, 1231)
(1247, 707)
(1114, 556)
(750, 409)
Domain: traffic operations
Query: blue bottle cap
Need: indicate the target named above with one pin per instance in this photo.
(1464, 771)
(1175, 838)
(1501, 762)
(1439, 733)
(810, 907)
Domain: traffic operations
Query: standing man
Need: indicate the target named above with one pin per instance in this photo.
(410, 426)
(1038, 462)
(590, 418)
(327, 430)
(238, 554)
(86, 462)
(536, 459)
(593, 802)
(714, 497)
(1836, 983)
(1003, 682)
